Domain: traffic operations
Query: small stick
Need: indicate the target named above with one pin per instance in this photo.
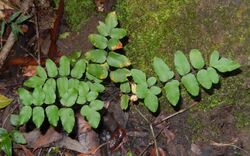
(177, 113)
(151, 143)
(228, 145)
(151, 129)
(37, 36)
(29, 53)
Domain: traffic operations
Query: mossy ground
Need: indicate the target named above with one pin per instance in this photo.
(160, 27)
(78, 12)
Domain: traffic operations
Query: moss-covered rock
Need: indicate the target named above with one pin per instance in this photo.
(160, 27)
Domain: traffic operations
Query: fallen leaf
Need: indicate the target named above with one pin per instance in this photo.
(160, 151)
(71, 144)
(29, 71)
(32, 137)
(86, 135)
(4, 101)
(26, 151)
(196, 149)
(4, 9)
(83, 125)
(169, 135)
(118, 138)
(4, 6)
(50, 136)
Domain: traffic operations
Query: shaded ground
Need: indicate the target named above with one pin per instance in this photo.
(158, 28)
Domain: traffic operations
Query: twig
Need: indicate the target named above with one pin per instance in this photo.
(6, 48)
(228, 145)
(142, 115)
(177, 113)
(151, 143)
(33, 56)
(11, 39)
(151, 129)
(37, 36)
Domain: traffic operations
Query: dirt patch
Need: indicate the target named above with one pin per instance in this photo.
(78, 41)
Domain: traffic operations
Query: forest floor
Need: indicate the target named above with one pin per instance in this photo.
(220, 131)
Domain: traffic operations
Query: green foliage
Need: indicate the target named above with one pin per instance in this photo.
(51, 68)
(96, 55)
(118, 60)
(119, 75)
(124, 101)
(172, 91)
(67, 118)
(78, 80)
(64, 67)
(4, 101)
(66, 83)
(15, 20)
(7, 138)
(145, 89)
(190, 83)
(196, 59)
(204, 77)
(92, 115)
(98, 71)
(162, 70)
(98, 41)
(38, 116)
(52, 113)
(181, 63)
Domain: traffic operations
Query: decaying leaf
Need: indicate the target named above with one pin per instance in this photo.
(4, 6)
(4, 101)
(29, 71)
(161, 152)
(50, 136)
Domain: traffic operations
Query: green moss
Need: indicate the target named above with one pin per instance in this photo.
(232, 91)
(197, 127)
(160, 27)
(78, 12)
(149, 27)
(242, 119)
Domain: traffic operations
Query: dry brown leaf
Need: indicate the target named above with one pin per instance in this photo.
(160, 151)
(3, 6)
(169, 135)
(196, 149)
(86, 135)
(71, 144)
(27, 151)
(31, 137)
(29, 71)
(51, 136)
(83, 125)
